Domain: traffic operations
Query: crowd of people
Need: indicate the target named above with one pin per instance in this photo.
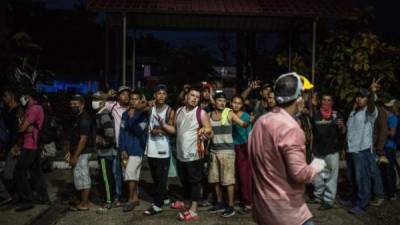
(260, 147)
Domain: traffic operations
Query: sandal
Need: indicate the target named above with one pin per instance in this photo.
(77, 209)
(177, 205)
(188, 216)
(129, 206)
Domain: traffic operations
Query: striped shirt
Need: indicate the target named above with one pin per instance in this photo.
(222, 141)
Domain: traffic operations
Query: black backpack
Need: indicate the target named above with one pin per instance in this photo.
(48, 133)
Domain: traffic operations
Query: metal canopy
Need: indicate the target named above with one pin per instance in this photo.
(225, 15)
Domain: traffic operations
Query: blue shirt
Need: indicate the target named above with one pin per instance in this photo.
(360, 129)
(132, 136)
(241, 134)
(392, 123)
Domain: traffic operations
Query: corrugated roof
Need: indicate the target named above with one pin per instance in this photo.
(341, 9)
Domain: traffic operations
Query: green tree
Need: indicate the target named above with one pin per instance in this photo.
(347, 61)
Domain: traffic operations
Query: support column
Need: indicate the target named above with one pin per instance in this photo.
(124, 48)
(290, 52)
(314, 45)
(134, 59)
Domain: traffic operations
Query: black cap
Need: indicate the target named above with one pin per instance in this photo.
(160, 87)
(78, 97)
(219, 95)
(363, 92)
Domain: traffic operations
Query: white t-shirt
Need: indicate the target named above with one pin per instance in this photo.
(157, 146)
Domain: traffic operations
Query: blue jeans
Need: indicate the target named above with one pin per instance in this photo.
(117, 171)
(389, 173)
(364, 173)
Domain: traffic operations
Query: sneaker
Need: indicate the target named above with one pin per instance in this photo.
(393, 198)
(229, 212)
(244, 210)
(188, 215)
(218, 208)
(153, 210)
(346, 203)
(204, 203)
(324, 207)
(314, 201)
(5, 201)
(356, 210)
(42, 200)
(167, 202)
(377, 201)
(116, 203)
(102, 210)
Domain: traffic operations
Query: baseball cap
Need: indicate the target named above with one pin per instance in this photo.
(288, 87)
(363, 92)
(219, 95)
(124, 88)
(265, 86)
(390, 103)
(100, 96)
(78, 97)
(160, 87)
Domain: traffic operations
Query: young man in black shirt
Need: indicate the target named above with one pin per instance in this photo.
(327, 127)
(81, 147)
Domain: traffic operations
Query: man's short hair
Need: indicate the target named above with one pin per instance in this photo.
(135, 92)
(195, 88)
(31, 92)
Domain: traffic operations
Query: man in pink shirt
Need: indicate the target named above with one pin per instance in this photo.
(277, 155)
(29, 159)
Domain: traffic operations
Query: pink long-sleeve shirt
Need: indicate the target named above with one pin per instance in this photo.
(279, 169)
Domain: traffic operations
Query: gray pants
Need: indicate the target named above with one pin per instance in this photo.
(325, 183)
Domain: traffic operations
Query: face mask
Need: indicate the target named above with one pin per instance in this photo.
(23, 101)
(75, 110)
(95, 105)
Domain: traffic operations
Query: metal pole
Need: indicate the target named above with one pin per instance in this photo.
(290, 52)
(134, 59)
(124, 49)
(314, 43)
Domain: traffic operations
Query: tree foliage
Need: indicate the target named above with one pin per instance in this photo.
(348, 60)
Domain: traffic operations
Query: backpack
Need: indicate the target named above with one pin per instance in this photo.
(48, 133)
(198, 115)
(4, 134)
